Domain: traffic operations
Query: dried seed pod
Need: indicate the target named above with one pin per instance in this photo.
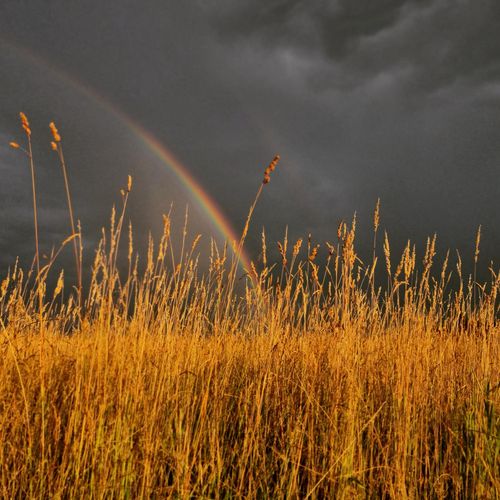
(55, 132)
(25, 123)
(270, 168)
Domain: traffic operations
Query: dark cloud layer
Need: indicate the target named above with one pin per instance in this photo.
(437, 41)
(397, 99)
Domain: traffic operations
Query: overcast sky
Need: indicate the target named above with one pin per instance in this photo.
(362, 99)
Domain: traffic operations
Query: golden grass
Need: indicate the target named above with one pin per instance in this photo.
(305, 379)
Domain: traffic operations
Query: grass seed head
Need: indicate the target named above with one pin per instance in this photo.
(254, 273)
(55, 132)
(282, 252)
(264, 248)
(25, 123)
(60, 285)
(270, 168)
(478, 241)
(341, 230)
(296, 247)
(314, 253)
(331, 248)
(387, 254)
(376, 216)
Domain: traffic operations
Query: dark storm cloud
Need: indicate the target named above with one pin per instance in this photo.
(406, 106)
(397, 99)
(336, 26)
(437, 41)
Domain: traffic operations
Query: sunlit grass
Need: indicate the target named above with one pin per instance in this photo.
(304, 378)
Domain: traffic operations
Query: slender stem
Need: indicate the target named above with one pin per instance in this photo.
(40, 305)
(72, 222)
(239, 248)
(37, 250)
(35, 211)
(247, 223)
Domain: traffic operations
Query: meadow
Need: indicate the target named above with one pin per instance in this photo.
(298, 377)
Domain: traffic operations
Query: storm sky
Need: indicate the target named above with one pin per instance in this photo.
(397, 99)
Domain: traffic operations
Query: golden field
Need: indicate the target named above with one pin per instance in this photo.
(295, 378)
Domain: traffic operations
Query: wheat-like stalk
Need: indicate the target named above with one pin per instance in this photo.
(56, 145)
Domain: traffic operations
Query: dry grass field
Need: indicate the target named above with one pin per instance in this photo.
(302, 379)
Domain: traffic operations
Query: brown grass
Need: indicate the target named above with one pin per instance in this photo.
(308, 381)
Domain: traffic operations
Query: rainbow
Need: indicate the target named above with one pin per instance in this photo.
(182, 173)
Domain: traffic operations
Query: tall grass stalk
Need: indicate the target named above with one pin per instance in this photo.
(77, 246)
(304, 386)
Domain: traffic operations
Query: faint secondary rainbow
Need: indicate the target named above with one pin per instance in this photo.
(192, 186)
